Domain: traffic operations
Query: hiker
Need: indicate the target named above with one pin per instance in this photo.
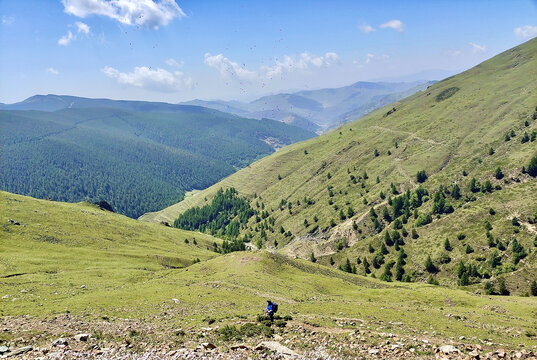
(271, 309)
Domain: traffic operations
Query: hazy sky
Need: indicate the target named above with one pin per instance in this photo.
(172, 51)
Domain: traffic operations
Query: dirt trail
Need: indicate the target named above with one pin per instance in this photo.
(411, 134)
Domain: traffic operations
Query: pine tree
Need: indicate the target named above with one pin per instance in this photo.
(460, 269)
(332, 262)
(498, 174)
(371, 249)
(386, 214)
(387, 274)
(415, 234)
(312, 257)
(474, 185)
(387, 238)
(456, 192)
(447, 245)
(469, 249)
(421, 176)
(399, 269)
(464, 280)
(347, 267)
(502, 288)
(533, 288)
(367, 269)
(532, 167)
(383, 249)
(429, 266)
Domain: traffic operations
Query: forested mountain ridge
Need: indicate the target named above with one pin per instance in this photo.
(447, 176)
(137, 161)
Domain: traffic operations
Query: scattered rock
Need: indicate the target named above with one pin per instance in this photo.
(82, 337)
(474, 354)
(276, 347)
(374, 351)
(448, 349)
(21, 350)
(60, 342)
(501, 353)
(239, 346)
(3, 349)
(208, 346)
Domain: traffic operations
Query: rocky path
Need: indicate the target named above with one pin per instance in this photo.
(121, 339)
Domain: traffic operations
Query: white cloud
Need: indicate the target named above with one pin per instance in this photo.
(8, 20)
(52, 71)
(147, 13)
(82, 28)
(174, 63)
(393, 24)
(66, 39)
(228, 68)
(303, 62)
(289, 64)
(476, 48)
(152, 79)
(526, 31)
(366, 28)
(370, 57)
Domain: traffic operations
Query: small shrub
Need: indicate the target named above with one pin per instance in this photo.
(421, 176)
(447, 93)
(502, 288)
(533, 288)
(489, 288)
(429, 266)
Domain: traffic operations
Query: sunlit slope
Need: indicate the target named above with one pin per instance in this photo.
(443, 136)
(80, 245)
(232, 287)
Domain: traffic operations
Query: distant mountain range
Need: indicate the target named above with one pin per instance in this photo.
(313, 110)
(323, 109)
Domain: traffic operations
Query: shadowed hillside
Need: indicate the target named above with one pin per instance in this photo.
(138, 161)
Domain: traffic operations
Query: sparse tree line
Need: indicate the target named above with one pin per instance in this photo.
(397, 217)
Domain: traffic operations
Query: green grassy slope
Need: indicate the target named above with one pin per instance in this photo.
(447, 136)
(95, 264)
(137, 161)
(58, 247)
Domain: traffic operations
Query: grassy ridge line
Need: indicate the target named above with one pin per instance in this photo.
(58, 247)
(444, 137)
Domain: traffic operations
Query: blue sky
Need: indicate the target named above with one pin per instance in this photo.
(170, 51)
